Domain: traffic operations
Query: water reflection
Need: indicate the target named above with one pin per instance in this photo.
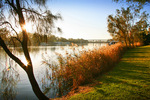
(11, 87)
(9, 79)
(52, 85)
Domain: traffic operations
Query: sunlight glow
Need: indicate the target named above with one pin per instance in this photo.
(24, 61)
(28, 27)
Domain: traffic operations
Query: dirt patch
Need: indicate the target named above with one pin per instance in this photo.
(80, 89)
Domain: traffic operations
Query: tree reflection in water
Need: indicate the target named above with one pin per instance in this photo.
(52, 83)
(10, 78)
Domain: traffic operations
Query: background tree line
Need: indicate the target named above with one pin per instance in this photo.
(35, 39)
(129, 25)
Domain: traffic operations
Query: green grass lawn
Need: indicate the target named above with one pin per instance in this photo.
(129, 80)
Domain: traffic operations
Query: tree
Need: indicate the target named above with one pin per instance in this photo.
(138, 1)
(15, 14)
(146, 37)
(127, 24)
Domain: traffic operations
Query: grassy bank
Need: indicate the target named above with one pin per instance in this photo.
(129, 80)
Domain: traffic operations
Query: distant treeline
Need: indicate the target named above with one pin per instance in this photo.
(37, 39)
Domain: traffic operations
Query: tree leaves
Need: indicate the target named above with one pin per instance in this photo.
(138, 1)
(127, 24)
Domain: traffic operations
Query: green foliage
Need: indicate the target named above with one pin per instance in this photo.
(146, 38)
(127, 25)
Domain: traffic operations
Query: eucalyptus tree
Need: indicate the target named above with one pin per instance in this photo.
(15, 14)
(122, 26)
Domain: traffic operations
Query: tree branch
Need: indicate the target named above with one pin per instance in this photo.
(16, 59)
(12, 5)
(32, 11)
(10, 26)
(17, 39)
(12, 29)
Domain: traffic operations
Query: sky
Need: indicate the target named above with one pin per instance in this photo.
(85, 19)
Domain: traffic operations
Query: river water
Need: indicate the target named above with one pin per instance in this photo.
(13, 79)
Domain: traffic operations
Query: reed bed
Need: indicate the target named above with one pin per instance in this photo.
(82, 67)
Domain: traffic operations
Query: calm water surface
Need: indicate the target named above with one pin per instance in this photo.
(14, 77)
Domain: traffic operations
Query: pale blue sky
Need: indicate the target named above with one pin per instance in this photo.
(85, 18)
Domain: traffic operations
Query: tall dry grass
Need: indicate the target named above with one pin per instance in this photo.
(89, 64)
(82, 67)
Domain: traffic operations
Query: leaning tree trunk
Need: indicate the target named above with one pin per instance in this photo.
(28, 68)
(35, 85)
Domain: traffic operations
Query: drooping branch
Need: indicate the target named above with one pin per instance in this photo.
(33, 12)
(10, 26)
(16, 59)
(12, 5)
(21, 16)
(16, 39)
(6, 22)
(45, 19)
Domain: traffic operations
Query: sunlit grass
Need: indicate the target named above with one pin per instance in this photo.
(129, 80)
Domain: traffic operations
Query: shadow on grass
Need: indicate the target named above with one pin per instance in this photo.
(137, 56)
(130, 78)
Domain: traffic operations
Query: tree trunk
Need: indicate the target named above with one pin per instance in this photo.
(129, 42)
(35, 85)
(29, 71)
(125, 42)
(29, 67)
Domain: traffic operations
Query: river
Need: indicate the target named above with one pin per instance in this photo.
(13, 79)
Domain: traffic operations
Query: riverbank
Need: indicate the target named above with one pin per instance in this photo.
(129, 80)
